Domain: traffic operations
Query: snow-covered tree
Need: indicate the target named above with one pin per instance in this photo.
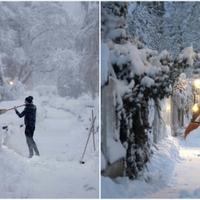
(145, 21)
(38, 39)
(165, 25)
(87, 47)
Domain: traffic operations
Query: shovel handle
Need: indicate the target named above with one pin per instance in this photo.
(15, 107)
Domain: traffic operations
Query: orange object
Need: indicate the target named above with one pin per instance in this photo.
(190, 128)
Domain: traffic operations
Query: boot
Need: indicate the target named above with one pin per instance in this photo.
(30, 156)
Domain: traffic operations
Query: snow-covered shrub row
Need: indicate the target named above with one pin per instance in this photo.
(139, 75)
(146, 79)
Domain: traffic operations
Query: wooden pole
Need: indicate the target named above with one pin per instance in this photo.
(81, 161)
(2, 111)
(15, 107)
(93, 132)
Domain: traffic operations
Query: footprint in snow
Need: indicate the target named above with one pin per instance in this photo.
(88, 188)
(70, 159)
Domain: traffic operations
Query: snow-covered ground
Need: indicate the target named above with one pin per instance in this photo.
(172, 173)
(61, 133)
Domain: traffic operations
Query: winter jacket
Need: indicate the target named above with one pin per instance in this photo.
(29, 115)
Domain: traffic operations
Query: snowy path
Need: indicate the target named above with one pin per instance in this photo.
(57, 173)
(174, 172)
(185, 180)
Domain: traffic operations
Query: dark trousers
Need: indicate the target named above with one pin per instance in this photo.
(30, 141)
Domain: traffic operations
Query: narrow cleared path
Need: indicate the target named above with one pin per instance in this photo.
(185, 179)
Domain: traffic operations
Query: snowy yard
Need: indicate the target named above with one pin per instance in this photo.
(172, 173)
(61, 133)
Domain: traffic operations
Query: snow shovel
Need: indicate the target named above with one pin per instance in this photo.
(192, 126)
(2, 111)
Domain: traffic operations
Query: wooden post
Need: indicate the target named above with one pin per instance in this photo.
(81, 161)
(93, 131)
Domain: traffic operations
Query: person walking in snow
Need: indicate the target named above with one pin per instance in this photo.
(29, 115)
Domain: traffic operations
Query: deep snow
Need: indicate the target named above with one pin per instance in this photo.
(172, 173)
(61, 133)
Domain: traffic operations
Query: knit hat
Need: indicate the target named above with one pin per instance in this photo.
(29, 99)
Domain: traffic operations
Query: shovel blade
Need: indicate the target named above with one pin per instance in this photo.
(2, 111)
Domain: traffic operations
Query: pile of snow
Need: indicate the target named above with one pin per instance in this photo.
(160, 168)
